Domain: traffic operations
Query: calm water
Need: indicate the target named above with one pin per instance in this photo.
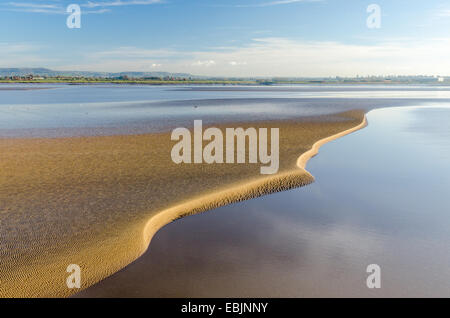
(72, 110)
(381, 196)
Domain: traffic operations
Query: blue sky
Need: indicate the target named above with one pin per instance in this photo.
(229, 38)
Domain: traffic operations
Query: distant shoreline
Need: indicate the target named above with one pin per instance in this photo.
(21, 88)
(179, 82)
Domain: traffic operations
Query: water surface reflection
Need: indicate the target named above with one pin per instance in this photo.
(381, 196)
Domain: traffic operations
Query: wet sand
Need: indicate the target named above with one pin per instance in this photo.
(370, 204)
(97, 201)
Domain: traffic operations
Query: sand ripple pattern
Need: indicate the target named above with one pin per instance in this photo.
(97, 201)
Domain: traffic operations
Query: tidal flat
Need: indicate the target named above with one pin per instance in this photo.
(87, 177)
(380, 196)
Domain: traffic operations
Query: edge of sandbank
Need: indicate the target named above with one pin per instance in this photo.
(296, 177)
(242, 191)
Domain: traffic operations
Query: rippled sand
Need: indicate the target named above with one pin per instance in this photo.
(97, 201)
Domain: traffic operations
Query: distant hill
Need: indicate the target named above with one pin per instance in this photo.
(395, 79)
(51, 73)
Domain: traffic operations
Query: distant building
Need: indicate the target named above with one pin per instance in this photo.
(441, 79)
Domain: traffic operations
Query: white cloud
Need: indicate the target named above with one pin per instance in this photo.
(33, 5)
(117, 3)
(285, 57)
(275, 3)
(59, 8)
(20, 55)
(445, 13)
(234, 63)
(52, 8)
(127, 52)
(204, 63)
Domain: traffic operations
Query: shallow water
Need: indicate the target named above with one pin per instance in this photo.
(74, 110)
(381, 196)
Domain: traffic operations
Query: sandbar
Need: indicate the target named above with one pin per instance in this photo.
(97, 201)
